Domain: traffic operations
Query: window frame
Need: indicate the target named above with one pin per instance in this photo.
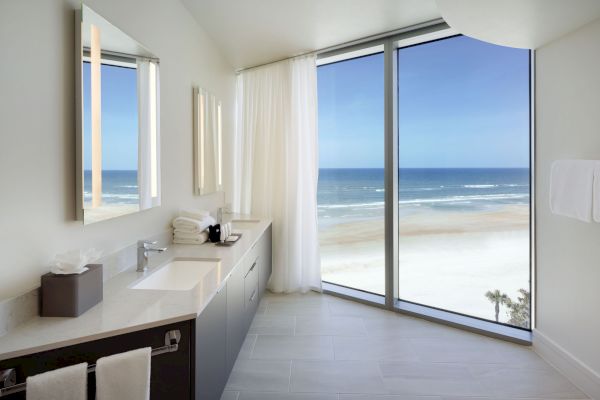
(414, 36)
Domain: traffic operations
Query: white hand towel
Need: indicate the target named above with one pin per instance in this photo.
(192, 225)
(572, 188)
(194, 214)
(69, 383)
(124, 376)
(596, 194)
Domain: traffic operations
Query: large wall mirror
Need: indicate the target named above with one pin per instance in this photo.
(118, 120)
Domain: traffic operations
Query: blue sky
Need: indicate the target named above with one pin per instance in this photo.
(119, 118)
(462, 103)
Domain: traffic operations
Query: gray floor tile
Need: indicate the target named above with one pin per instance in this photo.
(291, 309)
(283, 347)
(336, 377)
(260, 376)
(272, 325)
(507, 382)
(373, 348)
(419, 378)
(287, 396)
(451, 350)
(346, 308)
(229, 395)
(341, 326)
(396, 325)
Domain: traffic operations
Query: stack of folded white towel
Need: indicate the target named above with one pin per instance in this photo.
(191, 227)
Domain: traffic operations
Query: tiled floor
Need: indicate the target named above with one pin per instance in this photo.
(318, 347)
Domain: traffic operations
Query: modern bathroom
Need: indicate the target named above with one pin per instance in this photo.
(299, 200)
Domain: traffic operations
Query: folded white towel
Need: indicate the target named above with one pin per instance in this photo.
(69, 383)
(124, 376)
(189, 241)
(187, 238)
(194, 214)
(193, 225)
(572, 188)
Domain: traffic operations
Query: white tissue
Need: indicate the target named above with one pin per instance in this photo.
(74, 262)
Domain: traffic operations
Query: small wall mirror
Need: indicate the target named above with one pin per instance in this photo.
(118, 121)
(208, 143)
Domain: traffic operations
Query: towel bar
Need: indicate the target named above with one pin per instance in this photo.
(7, 376)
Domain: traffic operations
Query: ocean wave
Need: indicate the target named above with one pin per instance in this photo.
(457, 199)
(351, 205)
(467, 199)
(479, 186)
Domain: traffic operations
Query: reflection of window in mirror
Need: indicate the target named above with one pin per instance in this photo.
(119, 139)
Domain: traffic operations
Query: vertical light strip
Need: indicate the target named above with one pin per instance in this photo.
(96, 116)
(219, 149)
(153, 119)
(201, 141)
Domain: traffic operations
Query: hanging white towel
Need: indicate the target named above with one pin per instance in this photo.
(124, 376)
(596, 194)
(572, 188)
(69, 383)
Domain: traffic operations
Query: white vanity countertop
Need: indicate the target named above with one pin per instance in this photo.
(125, 310)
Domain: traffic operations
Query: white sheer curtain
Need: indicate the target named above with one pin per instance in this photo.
(277, 165)
(148, 86)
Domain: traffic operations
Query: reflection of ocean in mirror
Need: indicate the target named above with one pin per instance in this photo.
(118, 187)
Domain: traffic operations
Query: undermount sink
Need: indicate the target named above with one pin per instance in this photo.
(178, 275)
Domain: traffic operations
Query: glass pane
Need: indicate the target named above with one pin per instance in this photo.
(463, 112)
(351, 160)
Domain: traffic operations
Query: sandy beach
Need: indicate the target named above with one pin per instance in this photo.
(108, 211)
(448, 259)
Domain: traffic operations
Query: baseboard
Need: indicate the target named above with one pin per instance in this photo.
(582, 376)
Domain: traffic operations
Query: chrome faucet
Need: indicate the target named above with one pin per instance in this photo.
(143, 248)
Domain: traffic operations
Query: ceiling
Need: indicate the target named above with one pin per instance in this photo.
(526, 24)
(254, 32)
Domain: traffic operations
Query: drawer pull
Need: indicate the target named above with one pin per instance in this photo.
(253, 296)
(251, 269)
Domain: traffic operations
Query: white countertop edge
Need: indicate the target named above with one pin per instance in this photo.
(90, 338)
(39, 344)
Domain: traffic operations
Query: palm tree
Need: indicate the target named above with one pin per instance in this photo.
(497, 298)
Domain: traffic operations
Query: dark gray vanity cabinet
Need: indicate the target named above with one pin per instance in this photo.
(170, 374)
(211, 369)
(265, 260)
(236, 332)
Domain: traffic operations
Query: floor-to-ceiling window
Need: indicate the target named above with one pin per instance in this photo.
(463, 151)
(461, 120)
(351, 188)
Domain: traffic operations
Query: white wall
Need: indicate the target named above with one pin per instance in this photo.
(37, 127)
(568, 251)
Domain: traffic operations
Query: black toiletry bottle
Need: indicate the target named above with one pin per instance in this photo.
(214, 233)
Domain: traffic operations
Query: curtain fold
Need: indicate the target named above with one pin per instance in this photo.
(276, 168)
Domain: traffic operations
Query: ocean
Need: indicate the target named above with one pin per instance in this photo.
(359, 193)
(118, 187)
